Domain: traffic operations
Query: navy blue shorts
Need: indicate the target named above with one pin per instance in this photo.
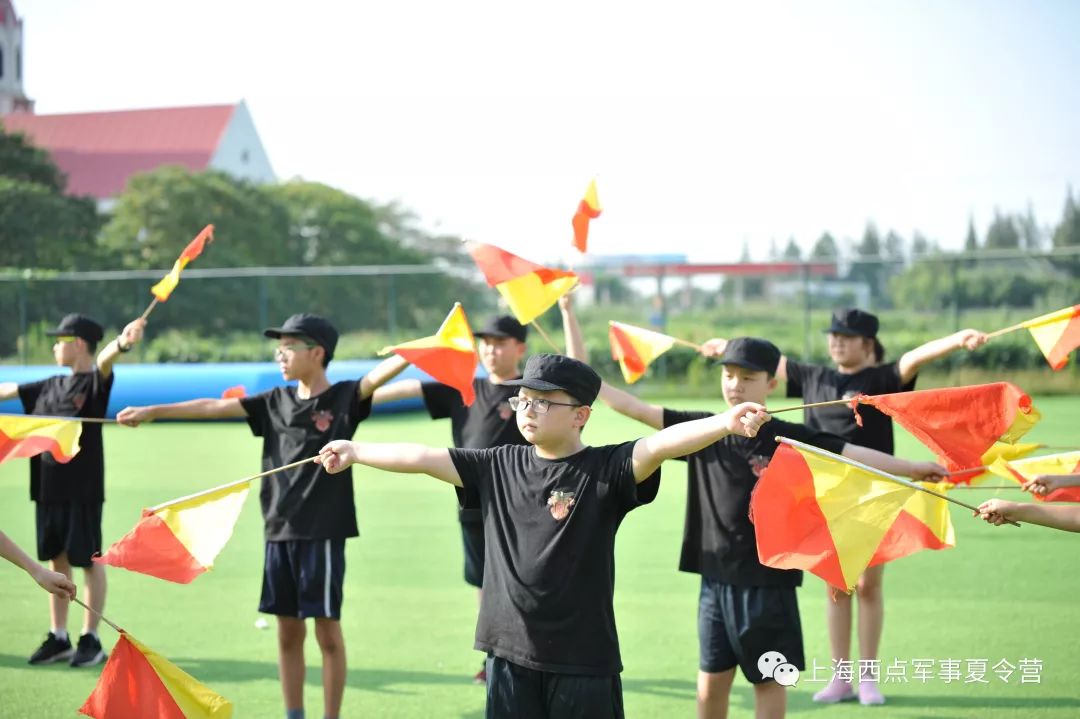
(515, 692)
(71, 528)
(472, 539)
(303, 578)
(736, 625)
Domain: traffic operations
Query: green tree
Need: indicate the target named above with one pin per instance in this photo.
(792, 252)
(971, 239)
(1067, 233)
(40, 226)
(825, 249)
(1002, 234)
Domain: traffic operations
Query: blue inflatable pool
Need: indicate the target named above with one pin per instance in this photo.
(161, 383)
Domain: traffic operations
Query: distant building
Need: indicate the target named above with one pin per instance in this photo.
(12, 97)
(100, 151)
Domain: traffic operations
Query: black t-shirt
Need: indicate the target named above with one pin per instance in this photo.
(718, 538)
(549, 558)
(81, 394)
(306, 502)
(488, 422)
(815, 383)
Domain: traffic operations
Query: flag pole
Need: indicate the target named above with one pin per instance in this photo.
(543, 334)
(1006, 331)
(149, 308)
(229, 485)
(813, 404)
(687, 343)
(91, 420)
(884, 475)
(102, 616)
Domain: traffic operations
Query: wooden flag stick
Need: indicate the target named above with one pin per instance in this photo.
(92, 420)
(229, 485)
(983, 486)
(686, 343)
(150, 308)
(543, 334)
(813, 404)
(1006, 331)
(91, 609)
(884, 475)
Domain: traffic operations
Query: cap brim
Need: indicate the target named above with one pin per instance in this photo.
(275, 332)
(59, 333)
(537, 384)
(746, 365)
(835, 330)
(492, 333)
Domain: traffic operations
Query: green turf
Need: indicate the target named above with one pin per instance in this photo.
(408, 616)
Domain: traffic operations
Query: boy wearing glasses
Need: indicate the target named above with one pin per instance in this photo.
(550, 512)
(487, 422)
(307, 515)
(68, 497)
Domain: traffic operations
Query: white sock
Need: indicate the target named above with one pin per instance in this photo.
(87, 632)
(60, 634)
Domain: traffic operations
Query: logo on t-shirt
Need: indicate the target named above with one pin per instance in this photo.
(758, 464)
(79, 400)
(322, 418)
(560, 503)
(505, 412)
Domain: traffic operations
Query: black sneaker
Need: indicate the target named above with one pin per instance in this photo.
(89, 652)
(52, 650)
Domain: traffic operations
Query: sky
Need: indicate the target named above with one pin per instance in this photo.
(707, 125)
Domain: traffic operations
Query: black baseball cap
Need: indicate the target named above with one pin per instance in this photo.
(75, 325)
(849, 321)
(317, 328)
(504, 326)
(548, 372)
(752, 353)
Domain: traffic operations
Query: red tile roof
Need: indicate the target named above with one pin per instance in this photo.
(99, 151)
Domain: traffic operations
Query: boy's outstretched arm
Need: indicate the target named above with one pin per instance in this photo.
(385, 371)
(912, 360)
(403, 389)
(622, 402)
(919, 471)
(50, 581)
(407, 458)
(1056, 516)
(9, 390)
(130, 336)
(688, 437)
(191, 409)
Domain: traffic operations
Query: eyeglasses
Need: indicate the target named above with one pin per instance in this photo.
(540, 406)
(291, 349)
(65, 339)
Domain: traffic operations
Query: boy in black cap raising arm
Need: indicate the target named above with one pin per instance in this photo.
(487, 422)
(745, 609)
(550, 513)
(308, 516)
(859, 369)
(68, 497)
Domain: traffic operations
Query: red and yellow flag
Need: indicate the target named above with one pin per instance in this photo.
(635, 348)
(27, 436)
(168, 283)
(1025, 470)
(1057, 334)
(961, 423)
(178, 541)
(924, 522)
(528, 288)
(449, 355)
(980, 474)
(816, 511)
(588, 209)
(139, 682)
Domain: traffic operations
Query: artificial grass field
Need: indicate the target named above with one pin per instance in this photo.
(408, 618)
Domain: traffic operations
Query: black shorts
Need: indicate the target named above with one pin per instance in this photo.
(71, 528)
(303, 578)
(515, 692)
(472, 539)
(736, 625)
